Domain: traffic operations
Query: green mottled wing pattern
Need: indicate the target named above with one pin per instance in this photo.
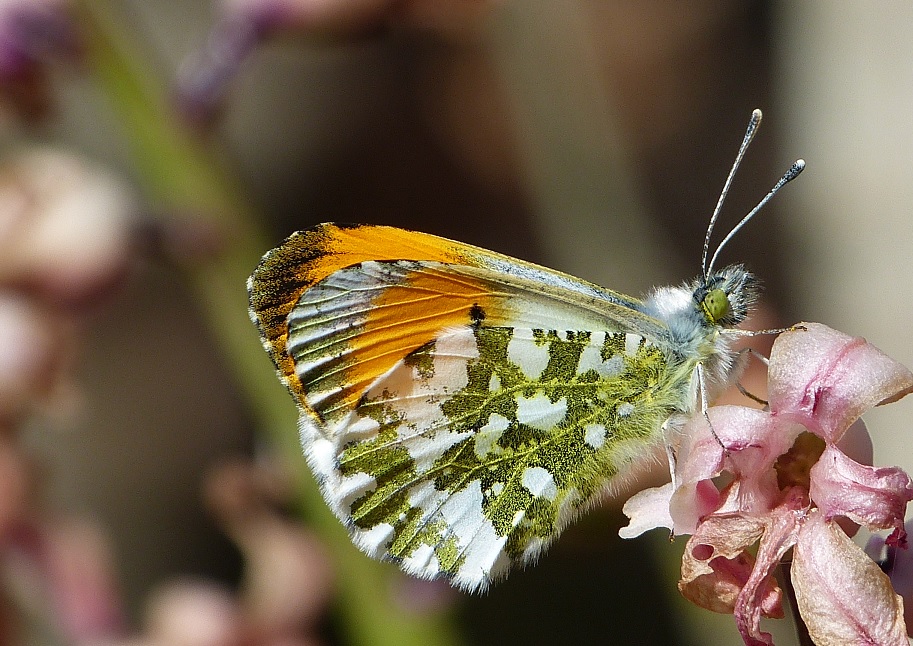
(459, 407)
(477, 449)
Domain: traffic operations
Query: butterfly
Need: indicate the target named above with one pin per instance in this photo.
(459, 407)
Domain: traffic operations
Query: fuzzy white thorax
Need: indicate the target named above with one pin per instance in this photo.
(693, 336)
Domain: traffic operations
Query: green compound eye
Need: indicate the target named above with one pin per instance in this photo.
(716, 306)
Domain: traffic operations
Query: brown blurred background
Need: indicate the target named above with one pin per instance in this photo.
(593, 137)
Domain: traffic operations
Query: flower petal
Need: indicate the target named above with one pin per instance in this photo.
(824, 379)
(842, 595)
(716, 565)
(898, 565)
(753, 440)
(780, 534)
(691, 502)
(647, 509)
(739, 429)
(715, 584)
(870, 496)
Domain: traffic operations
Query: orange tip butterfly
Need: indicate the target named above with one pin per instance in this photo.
(459, 407)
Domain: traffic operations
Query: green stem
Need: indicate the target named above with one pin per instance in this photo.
(180, 173)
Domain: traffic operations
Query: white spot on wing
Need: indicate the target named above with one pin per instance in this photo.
(424, 496)
(423, 560)
(624, 409)
(320, 451)
(612, 367)
(425, 449)
(481, 546)
(362, 428)
(539, 411)
(540, 482)
(348, 489)
(487, 437)
(374, 541)
(531, 357)
(452, 351)
(632, 342)
(594, 435)
(591, 359)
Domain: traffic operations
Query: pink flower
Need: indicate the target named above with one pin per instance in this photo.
(897, 563)
(791, 486)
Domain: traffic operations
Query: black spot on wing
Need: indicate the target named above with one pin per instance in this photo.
(476, 315)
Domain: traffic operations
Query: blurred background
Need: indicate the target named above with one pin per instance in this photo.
(592, 137)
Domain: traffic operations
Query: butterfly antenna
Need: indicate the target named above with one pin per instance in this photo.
(788, 176)
(753, 124)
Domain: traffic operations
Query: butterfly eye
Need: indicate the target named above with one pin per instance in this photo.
(716, 306)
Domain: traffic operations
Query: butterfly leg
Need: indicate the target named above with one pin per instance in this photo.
(748, 352)
(670, 452)
(702, 394)
(775, 331)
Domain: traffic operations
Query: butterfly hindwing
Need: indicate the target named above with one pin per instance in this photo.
(458, 407)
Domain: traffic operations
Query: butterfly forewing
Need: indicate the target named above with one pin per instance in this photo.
(458, 407)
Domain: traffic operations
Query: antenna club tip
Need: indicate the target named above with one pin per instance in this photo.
(794, 170)
(756, 116)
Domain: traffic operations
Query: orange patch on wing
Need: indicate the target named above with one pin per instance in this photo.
(406, 317)
(307, 257)
(344, 247)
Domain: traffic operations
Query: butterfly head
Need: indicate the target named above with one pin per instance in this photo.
(725, 297)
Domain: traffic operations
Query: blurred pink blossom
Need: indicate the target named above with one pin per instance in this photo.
(287, 583)
(33, 348)
(243, 25)
(67, 237)
(32, 34)
(65, 240)
(787, 490)
(65, 226)
(193, 613)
